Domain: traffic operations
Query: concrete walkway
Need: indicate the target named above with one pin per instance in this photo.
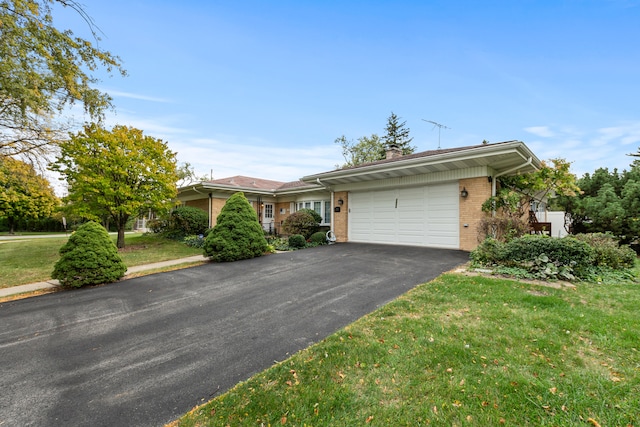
(50, 284)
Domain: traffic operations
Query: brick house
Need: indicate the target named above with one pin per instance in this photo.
(432, 198)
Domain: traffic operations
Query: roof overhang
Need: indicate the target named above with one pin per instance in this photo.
(505, 158)
(207, 187)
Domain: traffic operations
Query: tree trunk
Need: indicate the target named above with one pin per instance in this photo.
(121, 223)
(120, 243)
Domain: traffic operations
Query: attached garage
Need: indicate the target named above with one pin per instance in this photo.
(418, 216)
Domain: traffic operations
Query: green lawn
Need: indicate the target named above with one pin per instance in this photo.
(459, 351)
(29, 261)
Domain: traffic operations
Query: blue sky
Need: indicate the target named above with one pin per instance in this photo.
(264, 88)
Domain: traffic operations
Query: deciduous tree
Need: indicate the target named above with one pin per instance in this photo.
(366, 150)
(117, 174)
(43, 71)
(24, 194)
(553, 178)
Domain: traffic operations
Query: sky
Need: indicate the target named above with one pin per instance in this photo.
(263, 88)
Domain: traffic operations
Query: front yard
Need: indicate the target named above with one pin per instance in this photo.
(29, 261)
(460, 350)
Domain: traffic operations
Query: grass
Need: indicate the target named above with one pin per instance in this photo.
(459, 351)
(29, 261)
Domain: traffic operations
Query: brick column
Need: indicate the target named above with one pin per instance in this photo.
(340, 219)
(479, 190)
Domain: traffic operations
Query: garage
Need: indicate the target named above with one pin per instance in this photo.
(419, 216)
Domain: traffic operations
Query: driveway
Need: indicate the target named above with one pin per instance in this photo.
(144, 351)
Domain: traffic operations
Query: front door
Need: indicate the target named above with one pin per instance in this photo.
(267, 217)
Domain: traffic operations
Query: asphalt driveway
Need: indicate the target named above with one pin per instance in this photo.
(144, 351)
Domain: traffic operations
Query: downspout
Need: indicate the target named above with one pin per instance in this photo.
(331, 191)
(210, 206)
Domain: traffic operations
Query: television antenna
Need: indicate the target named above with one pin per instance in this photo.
(439, 126)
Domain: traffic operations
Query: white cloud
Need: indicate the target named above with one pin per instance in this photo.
(130, 95)
(228, 158)
(542, 131)
(588, 149)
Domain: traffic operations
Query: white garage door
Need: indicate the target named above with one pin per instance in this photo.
(419, 216)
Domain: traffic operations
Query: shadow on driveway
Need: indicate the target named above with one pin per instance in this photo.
(144, 351)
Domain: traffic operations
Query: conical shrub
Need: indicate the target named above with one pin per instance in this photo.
(89, 258)
(237, 234)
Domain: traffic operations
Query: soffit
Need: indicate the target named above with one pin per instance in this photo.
(504, 158)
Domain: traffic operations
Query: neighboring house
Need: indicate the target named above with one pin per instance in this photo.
(432, 198)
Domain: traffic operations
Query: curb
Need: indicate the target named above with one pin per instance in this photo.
(52, 284)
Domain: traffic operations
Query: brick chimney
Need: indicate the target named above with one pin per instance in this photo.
(393, 151)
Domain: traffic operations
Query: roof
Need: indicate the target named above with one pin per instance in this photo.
(502, 157)
(250, 184)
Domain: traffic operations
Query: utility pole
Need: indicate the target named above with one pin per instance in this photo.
(440, 126)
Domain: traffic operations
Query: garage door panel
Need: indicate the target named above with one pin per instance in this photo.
(421, 216)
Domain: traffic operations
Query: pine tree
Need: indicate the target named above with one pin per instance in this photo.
(397, 134)
(89, 258)
(237, 234)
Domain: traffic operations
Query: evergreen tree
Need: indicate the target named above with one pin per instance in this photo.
(237, 234)
(397, 134)
(89, 258)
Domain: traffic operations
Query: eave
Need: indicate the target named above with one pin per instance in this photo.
(504, 158)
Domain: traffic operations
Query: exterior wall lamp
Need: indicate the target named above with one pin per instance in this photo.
(340, 202)
(464, 193)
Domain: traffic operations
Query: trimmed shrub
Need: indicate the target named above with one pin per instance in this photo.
(564, 251)
(237, 234)
(608, 252)
(182, 221)
(89, 257)
(300, 222)
(189, 220)
(319, 238)
(316, 216)
(489, 252)
(297, 241)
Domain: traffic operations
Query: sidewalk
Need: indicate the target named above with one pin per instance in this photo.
(49, 284)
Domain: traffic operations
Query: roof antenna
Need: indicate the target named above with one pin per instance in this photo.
(439, 129)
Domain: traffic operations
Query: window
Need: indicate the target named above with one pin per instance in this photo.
(327, 212)
(322, 208)
(268, 211)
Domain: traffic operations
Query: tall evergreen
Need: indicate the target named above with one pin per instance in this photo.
(397, 134)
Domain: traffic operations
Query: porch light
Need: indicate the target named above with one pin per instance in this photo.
(464, 193)
(340, 202)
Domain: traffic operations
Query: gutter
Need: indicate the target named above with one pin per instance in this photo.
(529, 162)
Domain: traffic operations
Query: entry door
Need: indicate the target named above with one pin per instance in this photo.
(267, 217)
